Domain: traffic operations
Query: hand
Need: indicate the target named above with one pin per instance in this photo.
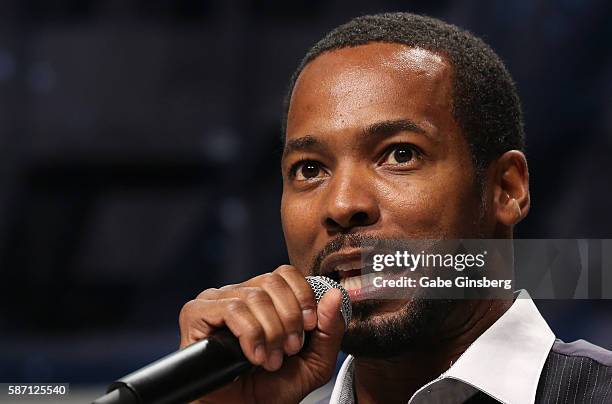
(269, 314)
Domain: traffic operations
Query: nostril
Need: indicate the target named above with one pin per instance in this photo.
(359, 218)
(356, 219)
(331, 223)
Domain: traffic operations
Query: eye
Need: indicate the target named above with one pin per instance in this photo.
(305, 170)
(401, 154)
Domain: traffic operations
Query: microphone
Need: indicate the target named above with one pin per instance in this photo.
(201, 367)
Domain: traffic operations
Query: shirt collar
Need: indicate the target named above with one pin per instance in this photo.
(505, 361)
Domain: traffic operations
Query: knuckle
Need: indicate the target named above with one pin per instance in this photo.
(228, 287)
(306, 297)
(206, 294)
(186, 311)
(292, 324)
(287, 269)
(235, 306)
(192, 327)
(294, 320)
(275, 282)
(275, 336)
(266, 277)
(253, 331)
(256, 295)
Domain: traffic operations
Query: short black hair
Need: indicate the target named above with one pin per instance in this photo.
(485, 102)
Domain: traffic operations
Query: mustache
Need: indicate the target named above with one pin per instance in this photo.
(378, 244)
(354, 240)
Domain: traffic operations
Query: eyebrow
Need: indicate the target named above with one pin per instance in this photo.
(391, 127)
(303, 143)
(377, 129)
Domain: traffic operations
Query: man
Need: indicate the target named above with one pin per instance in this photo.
(397, 127)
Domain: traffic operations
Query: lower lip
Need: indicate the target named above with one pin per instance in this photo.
(362, 287)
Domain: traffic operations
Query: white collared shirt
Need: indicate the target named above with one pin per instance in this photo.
(505, 362)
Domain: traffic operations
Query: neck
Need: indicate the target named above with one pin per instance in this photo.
(395, 380)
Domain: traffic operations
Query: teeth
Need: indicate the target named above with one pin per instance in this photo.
(368, 279)
(351, 283)
(348, 267)
(357, 282)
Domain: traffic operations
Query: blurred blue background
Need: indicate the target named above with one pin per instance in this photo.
(139, 160)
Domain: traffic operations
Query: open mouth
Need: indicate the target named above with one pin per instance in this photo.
(348, 275)
(353, 269)
(354, 272)
(357, 280)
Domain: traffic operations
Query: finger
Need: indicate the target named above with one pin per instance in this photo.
(326, 339)
(261, 305)
(199, 318)
(303, 293)
(263, 308)
(210, 294)
(288, 309)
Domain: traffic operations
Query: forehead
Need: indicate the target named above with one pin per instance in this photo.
(351, 87)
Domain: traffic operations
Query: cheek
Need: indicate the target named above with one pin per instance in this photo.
(426, 208)
(409, 206)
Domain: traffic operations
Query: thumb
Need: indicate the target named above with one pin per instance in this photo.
(324, 344)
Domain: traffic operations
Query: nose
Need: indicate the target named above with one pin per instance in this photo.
(350, 202)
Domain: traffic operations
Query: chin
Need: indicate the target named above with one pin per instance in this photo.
(373, 309)
(377, 331)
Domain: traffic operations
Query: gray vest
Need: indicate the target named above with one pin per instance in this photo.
(577, 372)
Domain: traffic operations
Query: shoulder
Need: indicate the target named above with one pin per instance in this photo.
(577, 371)
(583, 349)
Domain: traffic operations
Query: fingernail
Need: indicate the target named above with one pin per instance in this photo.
(310, 318)
(260, 353)
(294, 343)
(276, 359)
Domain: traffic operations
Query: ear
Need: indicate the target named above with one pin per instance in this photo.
(511, 188)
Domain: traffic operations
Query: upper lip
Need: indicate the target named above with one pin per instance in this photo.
(351, 256)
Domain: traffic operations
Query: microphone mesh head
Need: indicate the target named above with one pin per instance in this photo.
(321, 284)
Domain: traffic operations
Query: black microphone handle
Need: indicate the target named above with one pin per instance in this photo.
(184, 375)
(202, 367)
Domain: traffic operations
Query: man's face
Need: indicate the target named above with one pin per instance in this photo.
(372, 151)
